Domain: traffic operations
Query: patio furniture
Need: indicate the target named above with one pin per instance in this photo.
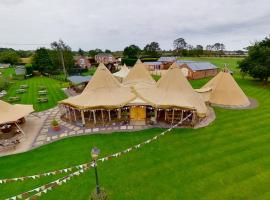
(42, 92)
(13, 99)
(6, 128)
(23, 86)
(42, 100)
(20, 91)
(42, 87)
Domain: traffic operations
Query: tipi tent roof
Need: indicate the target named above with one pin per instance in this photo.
(139, 77)
(225, 91)
(123, 72)
(11, 113)
(174, 90)
(103, 91)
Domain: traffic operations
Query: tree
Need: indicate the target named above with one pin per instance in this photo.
(62, 56)
(81, 52)
(41, 60)
(179, 44)
(152, 49)
(94, 52)
(9, 56)
(257, 63)
(107, 51)
(132, 51)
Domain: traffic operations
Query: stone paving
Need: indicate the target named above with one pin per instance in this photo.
(47, 135)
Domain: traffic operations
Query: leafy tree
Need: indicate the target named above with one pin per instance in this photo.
(62, 56)
(152, 49)
(179, 44)
(257, 63)
(81, 52)
(107, 51)
(132, 51)
(93, 53)
(9, 56)
(41, 60)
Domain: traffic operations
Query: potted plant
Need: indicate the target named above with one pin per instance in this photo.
(55, 125)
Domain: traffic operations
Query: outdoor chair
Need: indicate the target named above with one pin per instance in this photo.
(23, 86)
(42, 100)
(13, 99)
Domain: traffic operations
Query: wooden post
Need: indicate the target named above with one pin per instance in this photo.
(182, 115)
(74, 112)
(102, 116)
(172, 115)
(66, 112)
(119, 113)
(165, 114)
(83, 120)
(193, 117)
(156, 114)
(109, 112)
(70, 117)
(94, 115)
(89, 115)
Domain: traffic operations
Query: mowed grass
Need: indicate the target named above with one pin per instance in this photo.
(55, 93)
(227, 160)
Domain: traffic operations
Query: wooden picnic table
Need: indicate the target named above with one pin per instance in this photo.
(42, 92)
(13, 99)
(23, 86)
(42, 87)
(42, 100)
(20, 91)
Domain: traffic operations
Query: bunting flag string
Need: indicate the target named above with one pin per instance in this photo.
(80, 169)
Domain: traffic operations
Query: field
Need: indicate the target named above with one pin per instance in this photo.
(227, 160)
(54, 95)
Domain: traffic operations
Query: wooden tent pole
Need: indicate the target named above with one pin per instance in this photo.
(94, 115)
(119, 113)
(66, 112)
(102, 116)
(156, 111)
(172, 115)
(89, 115)
(70, 117)
(165, 114)
(109, 112)
(74, 112)
(83, 120)
(182, 115)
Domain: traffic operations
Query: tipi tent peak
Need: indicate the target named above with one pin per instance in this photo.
(122, 73)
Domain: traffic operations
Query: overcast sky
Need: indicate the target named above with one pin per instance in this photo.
(114, 24)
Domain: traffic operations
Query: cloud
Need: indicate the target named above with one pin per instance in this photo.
(115, 24)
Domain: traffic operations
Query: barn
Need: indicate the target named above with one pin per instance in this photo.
(196, 69)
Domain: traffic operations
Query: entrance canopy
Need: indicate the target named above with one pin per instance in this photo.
(103, 91)
(173, 90)
(12, 113)
(225, 91)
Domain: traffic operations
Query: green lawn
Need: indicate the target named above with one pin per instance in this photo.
(30, 97)
(227, 160)
(90, 72)
(7, 72)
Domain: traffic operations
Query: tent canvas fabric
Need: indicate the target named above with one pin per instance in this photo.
(139, 77)
(11, 113)
(225, 91)
(124, 71)
(103, 91)
(174, 90)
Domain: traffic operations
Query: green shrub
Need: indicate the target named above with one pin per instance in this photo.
(101, 196)
(29, 69)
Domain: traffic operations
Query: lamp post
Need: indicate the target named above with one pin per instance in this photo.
(94, 154)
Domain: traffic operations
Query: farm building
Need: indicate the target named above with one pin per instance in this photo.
(197, 70)
(152, 66)
(167, 61)
(82, 61)
(105, 58)
(139, 100)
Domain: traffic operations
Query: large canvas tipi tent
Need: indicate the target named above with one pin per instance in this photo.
(223, 90)
(12, 113)
(103, 91)
(174, 90)
(120, 75)
(139, 77)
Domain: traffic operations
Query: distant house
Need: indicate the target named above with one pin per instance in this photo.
(156, 65)
(197, 70)
(2, 66)
(82, 61)
(167, 61)
(105, 58)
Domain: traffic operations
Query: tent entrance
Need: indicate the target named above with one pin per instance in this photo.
(138, 115)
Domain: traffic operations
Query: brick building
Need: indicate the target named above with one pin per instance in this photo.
(105, 58)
